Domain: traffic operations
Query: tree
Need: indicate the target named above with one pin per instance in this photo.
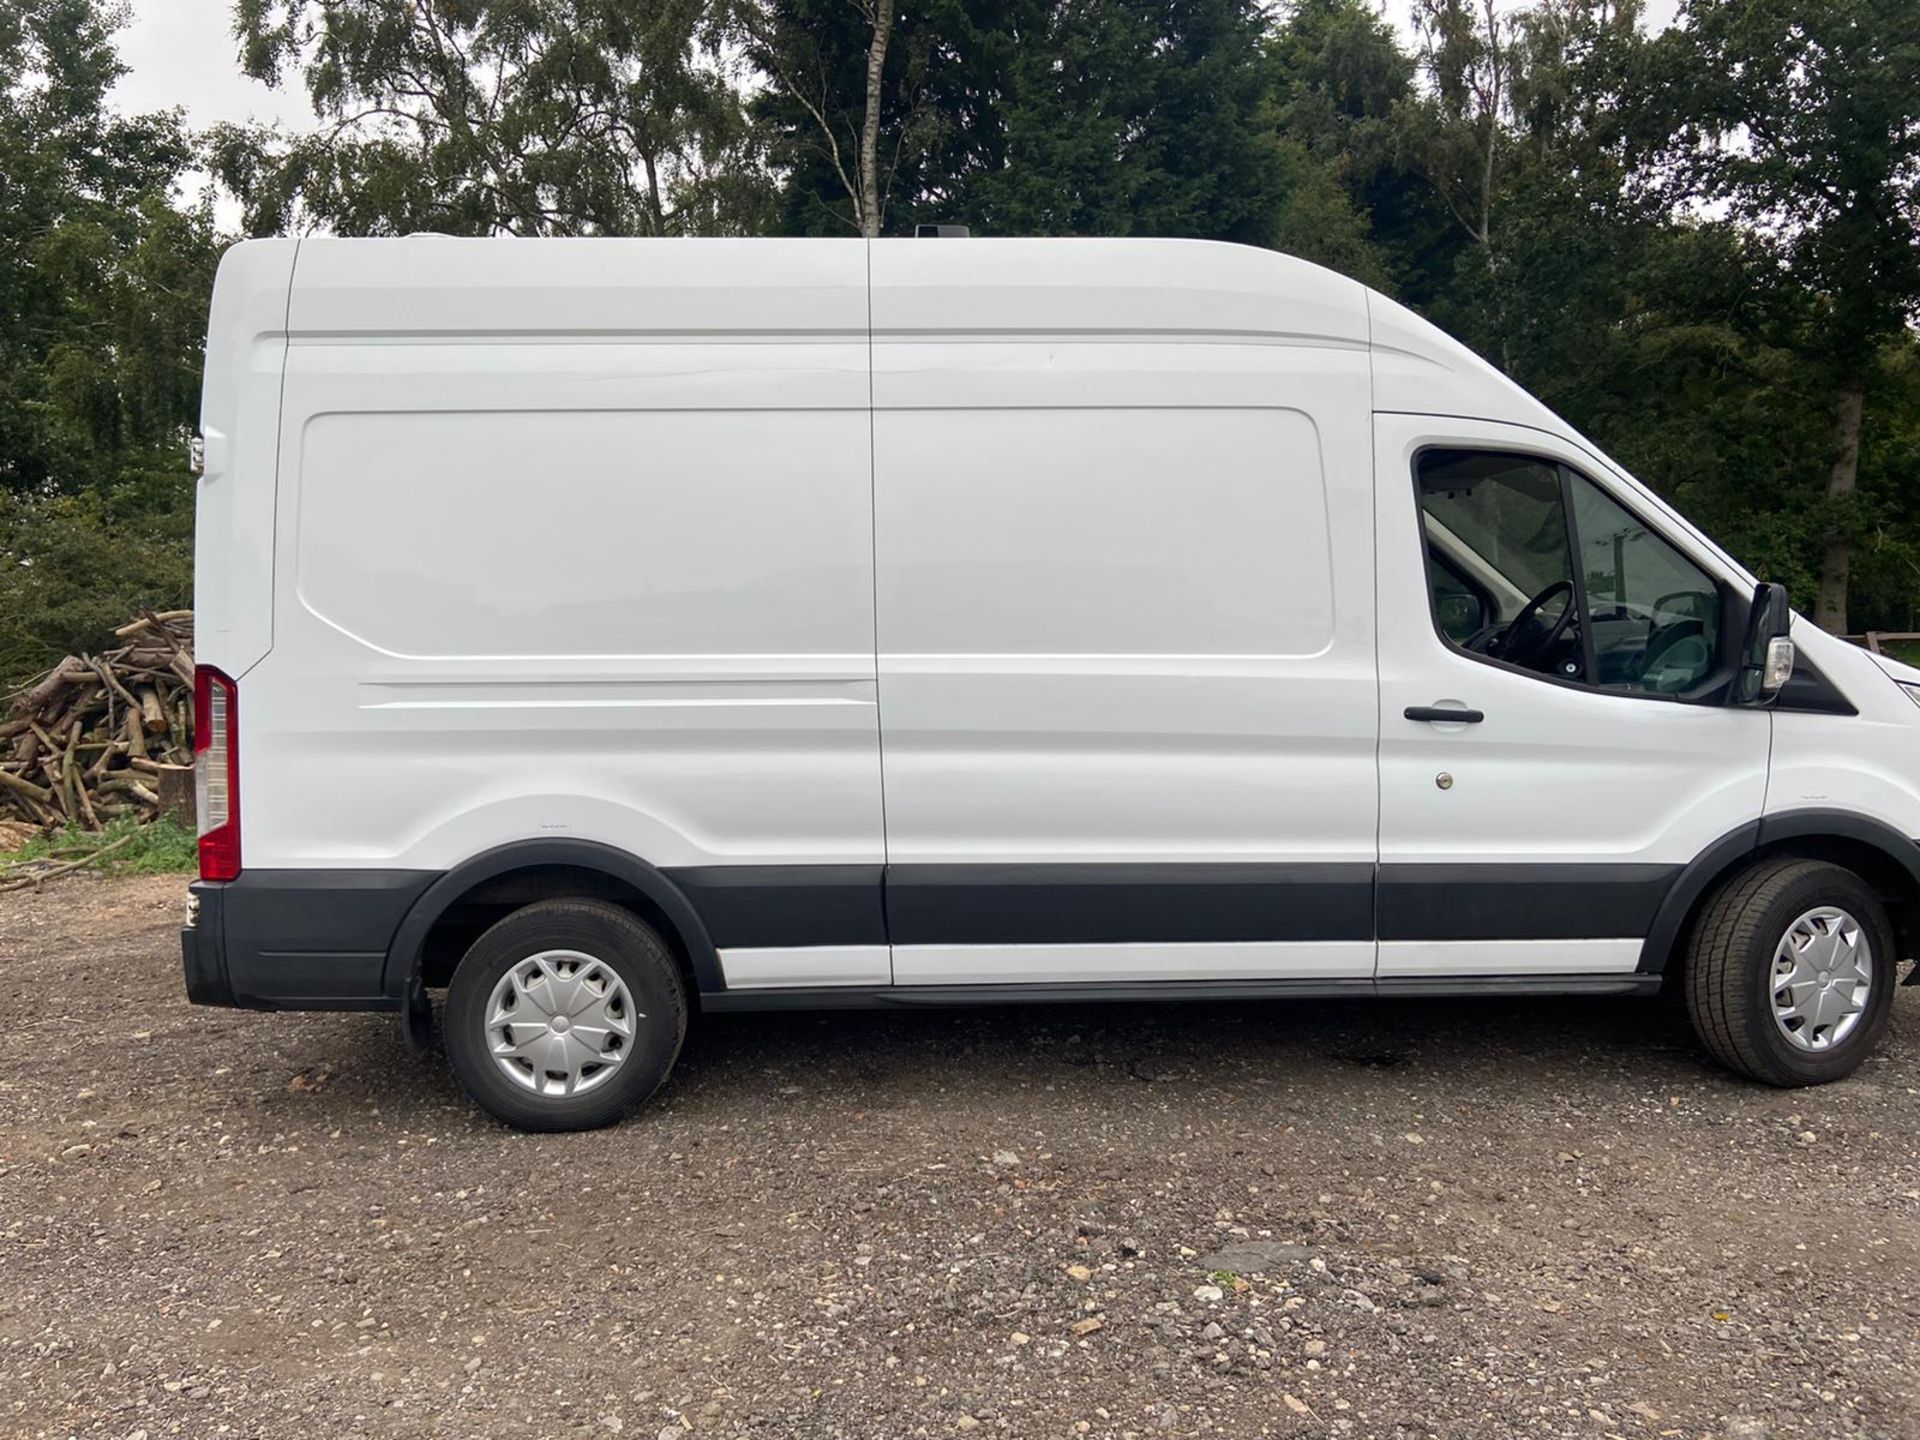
(837, 123)
(1140, 117)
(910, 112)
(1516, 130)
(103, 293)
(1463, 53)
(528, 117)
(1336, 77)
(879, 15)
(102, 282)
(1799, 117)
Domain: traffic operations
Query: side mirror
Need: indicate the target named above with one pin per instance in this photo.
(1766, 659)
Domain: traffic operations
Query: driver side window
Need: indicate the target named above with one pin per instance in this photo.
(1499, 522)
(1533, 565)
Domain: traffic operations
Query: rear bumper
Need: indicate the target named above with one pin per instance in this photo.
(296, 939)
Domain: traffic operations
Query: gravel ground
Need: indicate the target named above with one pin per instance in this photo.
(1398, 1219)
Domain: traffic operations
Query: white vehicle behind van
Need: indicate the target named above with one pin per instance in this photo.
(607, 631)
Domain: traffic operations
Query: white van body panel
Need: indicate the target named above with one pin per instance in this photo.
(1862, 765)
(239, 429)
(1063, 288)
(482, 637)
(1419, 369)
(1079, 661)
(428, 287)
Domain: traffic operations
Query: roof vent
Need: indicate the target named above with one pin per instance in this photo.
(941, 232)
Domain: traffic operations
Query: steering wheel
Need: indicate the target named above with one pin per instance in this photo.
(1516, 646)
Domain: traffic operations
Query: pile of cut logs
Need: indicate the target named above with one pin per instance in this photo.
(103, 736)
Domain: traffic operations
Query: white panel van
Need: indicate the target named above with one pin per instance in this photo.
(603, 632)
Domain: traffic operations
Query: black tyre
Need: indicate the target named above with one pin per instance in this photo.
(1790, 972)
(565, 1016)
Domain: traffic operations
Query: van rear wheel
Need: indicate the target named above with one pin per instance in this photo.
(1790, 972)
(565, 1015)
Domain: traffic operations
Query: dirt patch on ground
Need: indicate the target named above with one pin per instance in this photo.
(1401, 1219)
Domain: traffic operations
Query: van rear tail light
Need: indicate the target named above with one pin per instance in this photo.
(216, 772)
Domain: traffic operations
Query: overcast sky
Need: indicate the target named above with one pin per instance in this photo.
(181, 52)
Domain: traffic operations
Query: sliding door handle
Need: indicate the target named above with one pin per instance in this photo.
(1446, 715)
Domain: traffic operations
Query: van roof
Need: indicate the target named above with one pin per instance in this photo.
(440, 285)
(1146, 290)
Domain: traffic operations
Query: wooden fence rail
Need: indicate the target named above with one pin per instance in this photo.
(1875, 640)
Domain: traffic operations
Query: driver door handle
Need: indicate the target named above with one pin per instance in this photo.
(1444, 714)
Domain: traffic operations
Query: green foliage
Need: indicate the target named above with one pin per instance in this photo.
(944, 90)
(1800, 117)
(72, 567)
(1885, 592)
(1140, 117)
(525, 117)
(1335, 76)
(159, 847)
(104, 282)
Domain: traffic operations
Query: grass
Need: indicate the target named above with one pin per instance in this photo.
(161, 847)
(1905, 651)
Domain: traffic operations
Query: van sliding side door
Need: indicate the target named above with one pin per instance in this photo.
(1125, 639)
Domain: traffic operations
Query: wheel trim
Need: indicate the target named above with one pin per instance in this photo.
(560, 1023)
(1821, 979)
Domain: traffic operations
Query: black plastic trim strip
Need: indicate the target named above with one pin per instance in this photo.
(1520, 902)
(1117, 904)
(761, 906)
(1733, 849)
(913, 997)
(1800, 824)
(1517, 985)
(203, 949)
(919, 997)
(1706, 869)
(1809, 689)
(303, 939)
(335, 939)
(403, 955)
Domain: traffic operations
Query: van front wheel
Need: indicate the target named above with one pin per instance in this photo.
(1790, 972)
(565, 1016)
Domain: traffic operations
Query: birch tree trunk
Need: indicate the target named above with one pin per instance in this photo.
(1830, 613)
(868, 201)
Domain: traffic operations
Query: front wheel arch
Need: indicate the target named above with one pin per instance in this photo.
(1871, 849)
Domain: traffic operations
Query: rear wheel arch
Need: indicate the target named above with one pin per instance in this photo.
(466, 901)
